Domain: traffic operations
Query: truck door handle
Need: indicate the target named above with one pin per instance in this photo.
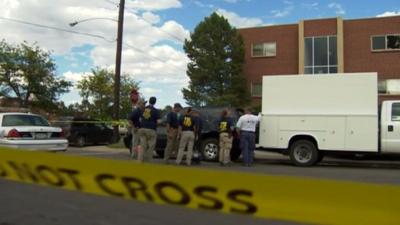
(390, 128)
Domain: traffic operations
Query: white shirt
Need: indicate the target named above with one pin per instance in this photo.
(248, 122)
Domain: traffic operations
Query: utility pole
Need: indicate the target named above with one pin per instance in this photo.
(117, 80)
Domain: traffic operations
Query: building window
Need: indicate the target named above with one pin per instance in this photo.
(382, 87)
(256, 90)
(320, 55)
(389, 87)
(263, 49)
(385, 42)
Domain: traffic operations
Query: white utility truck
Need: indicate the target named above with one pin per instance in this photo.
(308, 116)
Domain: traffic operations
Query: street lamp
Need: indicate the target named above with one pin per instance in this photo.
(117, 79)
(95, 18)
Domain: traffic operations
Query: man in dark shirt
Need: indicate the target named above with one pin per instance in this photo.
(147, 133)
(187, 130)
(225, 128)
(172, 132)
(134, 122)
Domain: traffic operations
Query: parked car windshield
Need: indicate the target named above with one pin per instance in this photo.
(24, 120)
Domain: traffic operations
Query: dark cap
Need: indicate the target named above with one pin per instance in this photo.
(152, 100)
(177, 105)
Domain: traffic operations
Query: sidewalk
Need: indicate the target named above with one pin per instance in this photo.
(100, 148)
(385, 161)
(376, 161)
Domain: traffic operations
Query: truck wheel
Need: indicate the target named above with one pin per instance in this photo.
(80, 141)
(209, 149)
(303, 153)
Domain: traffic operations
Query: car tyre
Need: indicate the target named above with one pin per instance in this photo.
(80, 141)
(304, 153)
(209, 149)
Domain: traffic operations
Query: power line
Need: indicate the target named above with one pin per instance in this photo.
(168, 33)
(84, 34)
(130, 10)
(144, 52)
(111, 2)
(56, 28)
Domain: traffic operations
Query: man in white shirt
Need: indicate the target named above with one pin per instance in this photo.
(246, 126)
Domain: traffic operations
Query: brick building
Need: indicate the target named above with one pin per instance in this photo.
(323, 46)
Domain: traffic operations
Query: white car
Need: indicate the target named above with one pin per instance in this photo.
(31, 132)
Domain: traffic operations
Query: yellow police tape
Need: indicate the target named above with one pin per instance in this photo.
(304, 200)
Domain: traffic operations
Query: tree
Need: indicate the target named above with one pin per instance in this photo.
(216, 51)
(97, 91)
(27, 73)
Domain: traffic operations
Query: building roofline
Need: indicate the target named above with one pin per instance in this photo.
(272, 25)
(373, 18)
(328, 18)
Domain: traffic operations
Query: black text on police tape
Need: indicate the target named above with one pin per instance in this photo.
(134, 187)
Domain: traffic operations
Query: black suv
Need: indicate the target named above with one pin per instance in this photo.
(82, 131)
(208, 140)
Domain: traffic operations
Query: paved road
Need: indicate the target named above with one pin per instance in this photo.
(29, 204)
(32, 205)
(384, 171)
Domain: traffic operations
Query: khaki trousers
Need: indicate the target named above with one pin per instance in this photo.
(225, 146)
(172, 143)
(135, 142)
(187, 139)
(147, 141)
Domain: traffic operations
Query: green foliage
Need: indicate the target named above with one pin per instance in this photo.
(216, 51)
(27, 73)
(97, 91)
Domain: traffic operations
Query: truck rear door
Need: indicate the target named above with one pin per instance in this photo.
(390, 127)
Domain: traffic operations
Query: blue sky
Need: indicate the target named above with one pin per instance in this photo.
(154, 32)
(279, 12)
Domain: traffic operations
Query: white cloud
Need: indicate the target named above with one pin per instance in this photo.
(150, 91)
(203, 5)
(236, 1)
(174, 31)
(7, 6)
(151, 17)
(338, 7)
(389, 13)
(153, 5)
(75, 77)
(278, 13)
(144, 57)
(237, 21)
(310, 6)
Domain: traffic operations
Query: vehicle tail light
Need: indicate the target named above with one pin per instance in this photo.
(62, 133)
(13, 134)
